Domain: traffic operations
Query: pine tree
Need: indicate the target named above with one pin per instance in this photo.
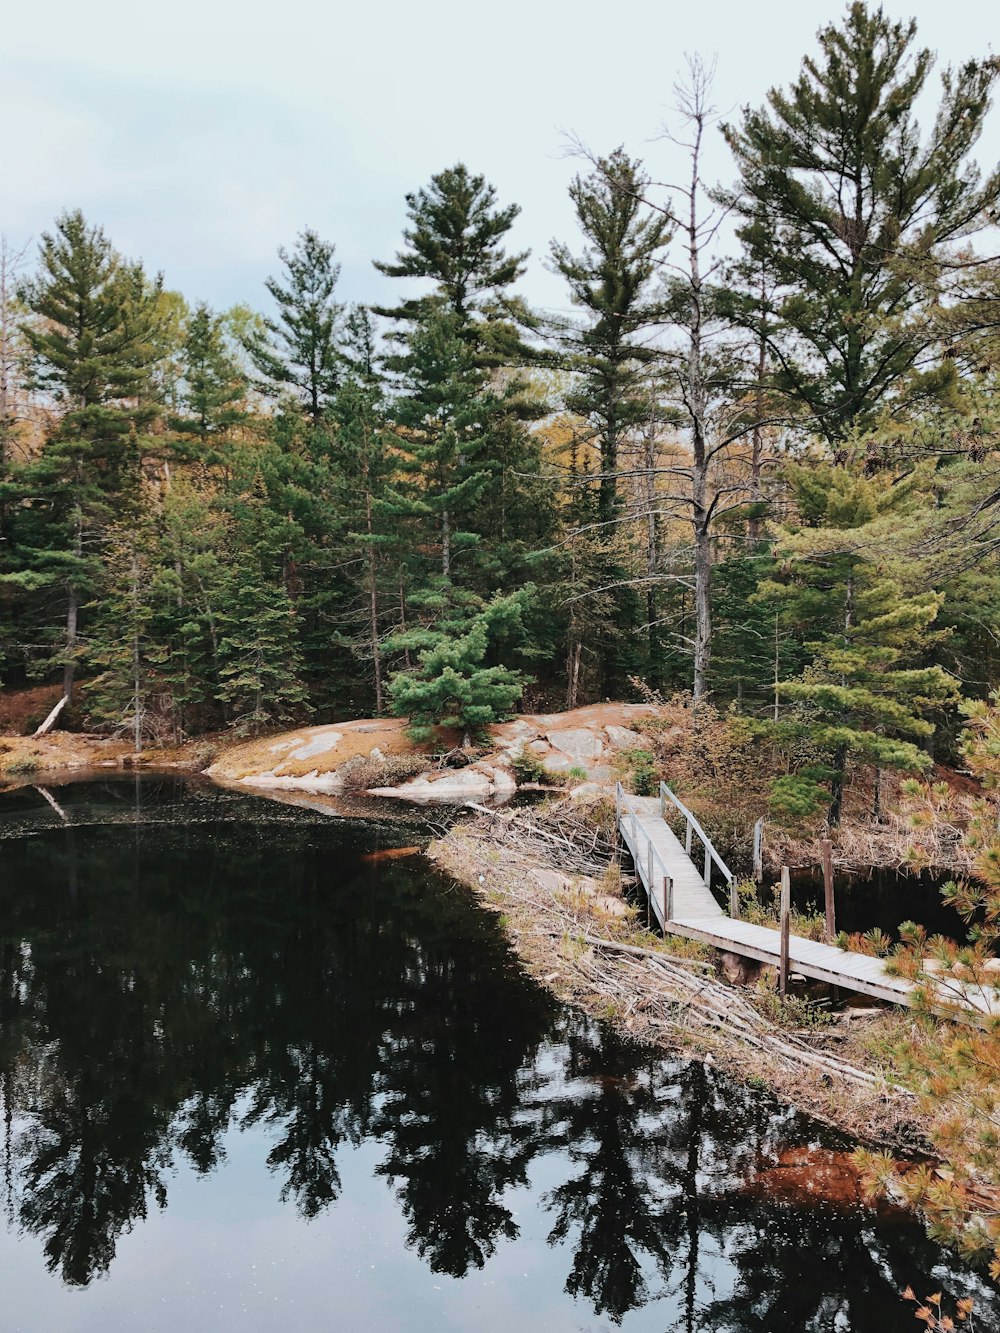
(300, 352)
(852, 212)
(610, 355)
(456, 239)
(867, 689)
(93, 343)
(443, 417)
(612, 282)
(453, 687)
(213, 386)
(258, 646)
(365, 460)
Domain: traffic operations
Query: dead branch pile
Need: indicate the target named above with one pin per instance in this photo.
(890, 845)
(561, 835)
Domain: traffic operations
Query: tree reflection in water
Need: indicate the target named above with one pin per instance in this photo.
(224, 967)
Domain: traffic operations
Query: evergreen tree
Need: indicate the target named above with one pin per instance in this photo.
(867, 689)
(610, 355)
(456, 239)
(213, 385)
(258, 647)
(443, 417)
(612, 281)
(365, 462)
(852, 212)
(300, 351)
(453, 687)
(92, 339)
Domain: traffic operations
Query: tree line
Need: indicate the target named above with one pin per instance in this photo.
(757, 463)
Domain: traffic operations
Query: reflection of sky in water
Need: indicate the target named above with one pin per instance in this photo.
(368, 1025)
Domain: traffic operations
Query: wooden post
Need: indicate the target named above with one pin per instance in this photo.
(707, 876)
(786, 913)
(687, 838)
(831, 914)
(734, 900)
(668, 899)
(649, 868)
(758, 851)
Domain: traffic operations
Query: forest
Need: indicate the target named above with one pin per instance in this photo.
(758, 465)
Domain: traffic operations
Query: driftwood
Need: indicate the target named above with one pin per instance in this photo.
(50, 721)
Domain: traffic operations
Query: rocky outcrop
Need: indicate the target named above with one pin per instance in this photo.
(586, 740)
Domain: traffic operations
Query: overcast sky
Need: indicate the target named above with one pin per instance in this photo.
(202, 135)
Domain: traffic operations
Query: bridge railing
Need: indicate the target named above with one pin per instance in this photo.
(693, 829)
(648, 862)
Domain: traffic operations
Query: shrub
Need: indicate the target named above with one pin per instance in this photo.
(645, 778)
(19, 765)
(362, 772)
(527, 766)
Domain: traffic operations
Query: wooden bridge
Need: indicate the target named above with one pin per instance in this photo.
(681, 899)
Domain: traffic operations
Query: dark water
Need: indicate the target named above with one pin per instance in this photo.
(254, 1078)
(884, 899)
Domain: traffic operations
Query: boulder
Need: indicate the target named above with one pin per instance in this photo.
(621, 738)
(454, 786)
(578, 742)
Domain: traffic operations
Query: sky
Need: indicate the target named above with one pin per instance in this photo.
(204, 134)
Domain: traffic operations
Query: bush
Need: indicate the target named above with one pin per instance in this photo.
(527, 767)
(645, 777)
(19, 765)
(362, 772)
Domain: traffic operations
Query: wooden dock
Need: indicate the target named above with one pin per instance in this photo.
(683, 903)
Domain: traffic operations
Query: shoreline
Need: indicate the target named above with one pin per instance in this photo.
(565, 938)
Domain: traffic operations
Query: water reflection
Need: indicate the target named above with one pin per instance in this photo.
(217, 970)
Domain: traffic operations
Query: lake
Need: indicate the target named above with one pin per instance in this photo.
(257, 1074)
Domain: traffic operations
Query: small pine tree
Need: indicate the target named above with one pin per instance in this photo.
(453, 686)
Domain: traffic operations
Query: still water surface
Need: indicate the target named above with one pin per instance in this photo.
(256, 1076)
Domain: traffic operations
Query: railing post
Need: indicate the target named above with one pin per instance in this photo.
(663, 802)
(734, 901)
(668, 899)
(649, 867)
(786, 913)
(707, 876)
(687, 838)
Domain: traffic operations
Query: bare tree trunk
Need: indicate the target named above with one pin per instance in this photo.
(402, 624)
(696, 399)
(573, 673)
(757, 438)
(136, 664)
(72, 615)
(655, 667)
(373, 611)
